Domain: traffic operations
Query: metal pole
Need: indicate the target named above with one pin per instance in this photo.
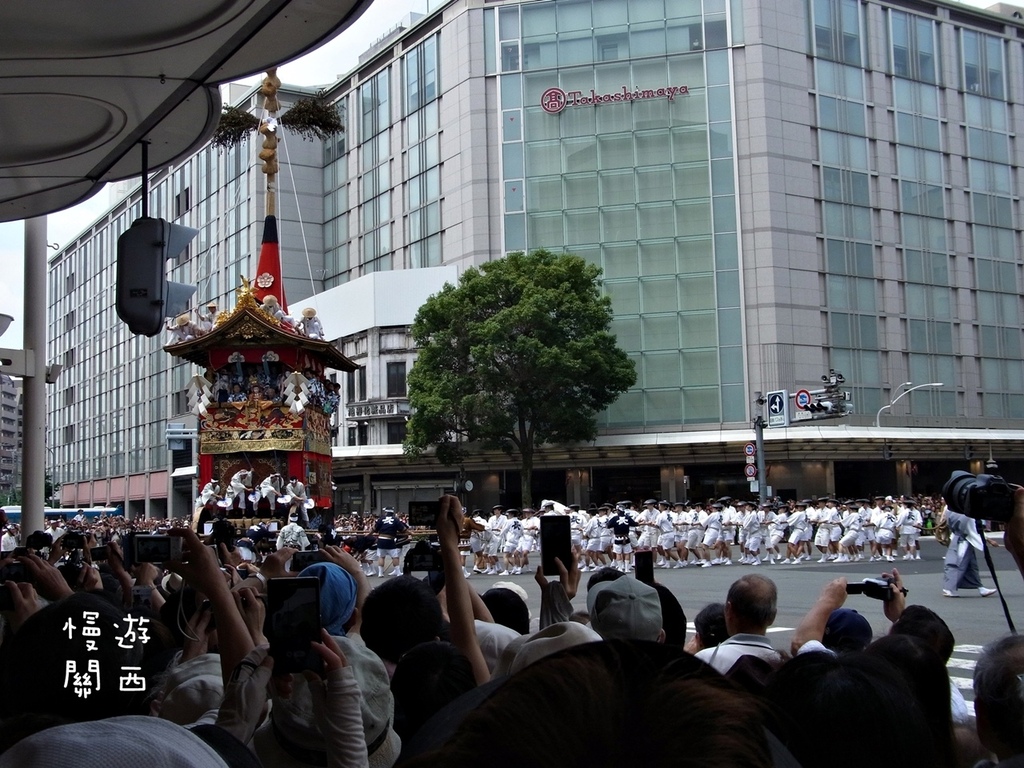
(144, 144)
(33, 435)
(762, 475)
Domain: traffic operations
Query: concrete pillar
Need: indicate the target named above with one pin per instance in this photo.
(33, 436)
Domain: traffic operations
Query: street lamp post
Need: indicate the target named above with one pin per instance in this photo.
(904, 393)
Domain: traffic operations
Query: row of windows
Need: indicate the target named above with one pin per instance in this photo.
(395, 386)
(913, 46)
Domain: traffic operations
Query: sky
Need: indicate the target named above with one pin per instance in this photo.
(321, 67)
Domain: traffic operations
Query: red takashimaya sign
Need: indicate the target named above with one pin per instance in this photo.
(554, 100)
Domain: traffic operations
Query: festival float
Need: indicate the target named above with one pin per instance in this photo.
(263, 403)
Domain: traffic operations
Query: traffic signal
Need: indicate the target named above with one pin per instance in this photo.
(144, 295)
(824, 406)
(886, 452)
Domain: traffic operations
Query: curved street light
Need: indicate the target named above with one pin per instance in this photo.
(903, 394)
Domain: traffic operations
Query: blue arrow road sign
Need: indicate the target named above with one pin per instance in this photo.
(777, 403)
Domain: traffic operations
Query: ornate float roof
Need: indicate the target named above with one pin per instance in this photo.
(249, 327)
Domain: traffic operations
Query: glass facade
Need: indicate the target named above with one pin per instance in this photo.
(382, 179)
(949, 157)
(635, 177)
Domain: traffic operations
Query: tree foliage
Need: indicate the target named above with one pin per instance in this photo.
(518, 354)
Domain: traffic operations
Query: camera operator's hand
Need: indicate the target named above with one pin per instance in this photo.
(812, 626)
(1014, 536)
(89, 579)
(56, 551)
(229, 557)
(25, 601)
(894, 606)
(833, 594)
(339, 556)
(275, 564)
(115, 558)
(197, 638)
(449, 521)
(254, 612)
(146, 574)
(245, 694)
(198, 565)
(49, 582)
(569, 577)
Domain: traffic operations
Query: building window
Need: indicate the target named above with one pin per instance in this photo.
(982, 60)
(421, 75)
(352, 438)
(396, 380)
(182, 202)
(396, 432)
(375, 105)
(913, 50)
(837, 30)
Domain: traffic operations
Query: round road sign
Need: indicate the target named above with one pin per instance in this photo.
(802, 399)
(750, 470)
(749, 449)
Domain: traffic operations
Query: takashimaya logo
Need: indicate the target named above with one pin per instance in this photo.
(554, 100)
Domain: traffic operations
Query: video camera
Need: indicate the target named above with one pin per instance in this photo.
(876, 588)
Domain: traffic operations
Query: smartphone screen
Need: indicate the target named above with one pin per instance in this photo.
(644, 560)
(292, 623)
(99, 553)
(555, 541)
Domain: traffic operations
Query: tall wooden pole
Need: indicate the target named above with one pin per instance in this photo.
(268, 127)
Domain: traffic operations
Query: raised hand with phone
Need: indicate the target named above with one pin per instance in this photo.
(460, 605)
(200, 567)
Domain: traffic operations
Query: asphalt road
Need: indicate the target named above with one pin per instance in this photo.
(974, 620)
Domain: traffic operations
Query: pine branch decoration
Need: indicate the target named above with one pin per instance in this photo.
(313, 118)
(234, 127)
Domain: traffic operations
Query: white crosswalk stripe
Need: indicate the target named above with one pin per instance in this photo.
(957, 665)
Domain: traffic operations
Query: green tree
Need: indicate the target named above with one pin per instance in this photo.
(519, 354)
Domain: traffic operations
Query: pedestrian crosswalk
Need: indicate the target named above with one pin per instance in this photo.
(961, 671)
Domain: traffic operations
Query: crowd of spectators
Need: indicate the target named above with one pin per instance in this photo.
(117, 660)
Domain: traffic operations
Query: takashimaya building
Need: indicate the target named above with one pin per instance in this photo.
(773, 190)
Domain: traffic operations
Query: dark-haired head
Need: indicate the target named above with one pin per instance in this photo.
(709, 625)
(814, 693)
(508, 609)
(398, 615)
(426, 679)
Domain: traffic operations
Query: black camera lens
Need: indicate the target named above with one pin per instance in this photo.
(982, 497)
(956, 491)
